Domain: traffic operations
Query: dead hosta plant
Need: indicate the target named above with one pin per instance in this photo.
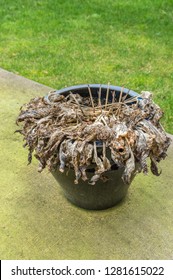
(78, 131)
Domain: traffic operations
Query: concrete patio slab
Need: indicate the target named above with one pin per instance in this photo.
(37, 222)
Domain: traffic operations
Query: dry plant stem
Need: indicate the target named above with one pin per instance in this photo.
(107, 95)
(125, 96)
(103, 120)
(113, 97)
(104, 150)
(120, 97)
(118, 110)
(116, 104)
(95, 152)
(72, 95)
(99, 97)
(131, 99)
(91, 98)
(108, 105)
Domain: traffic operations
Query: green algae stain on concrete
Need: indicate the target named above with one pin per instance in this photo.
(37, 222)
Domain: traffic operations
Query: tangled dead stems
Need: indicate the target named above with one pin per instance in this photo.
(77, 132)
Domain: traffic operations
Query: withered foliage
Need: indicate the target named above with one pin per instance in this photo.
(79, 132)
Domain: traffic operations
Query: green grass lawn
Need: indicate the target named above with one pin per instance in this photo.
(62, 42)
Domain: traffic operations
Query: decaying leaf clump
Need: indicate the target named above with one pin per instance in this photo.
(77, 132)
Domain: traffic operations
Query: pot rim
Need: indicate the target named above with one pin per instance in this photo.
(83, 88)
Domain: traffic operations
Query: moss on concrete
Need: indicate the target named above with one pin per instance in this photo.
(37, 222)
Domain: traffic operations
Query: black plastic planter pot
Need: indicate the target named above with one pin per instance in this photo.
(103, 194)
(100, 196)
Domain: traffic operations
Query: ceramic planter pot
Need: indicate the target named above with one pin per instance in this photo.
(103, 194)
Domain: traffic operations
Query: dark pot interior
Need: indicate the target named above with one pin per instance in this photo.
(103, 194)
(83, 91)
